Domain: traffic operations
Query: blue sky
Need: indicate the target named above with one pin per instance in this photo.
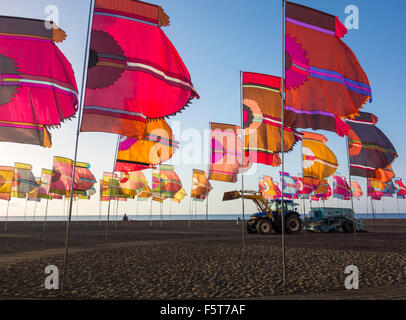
(217, 39)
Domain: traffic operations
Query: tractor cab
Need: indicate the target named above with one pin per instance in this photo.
(288, 205)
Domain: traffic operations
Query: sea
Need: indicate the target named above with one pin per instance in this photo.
(185, 217)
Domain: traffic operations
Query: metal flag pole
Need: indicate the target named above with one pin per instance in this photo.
(397, 202)
(25, 210)
(111, 187)
(304, 202)
(150, 212)
(77, 209)
(190, 205)
(160, 212)
(242, 163)
(35, 209)
(283, 144)
(100, 209)
(46, 214)
(84, 75)
(117, 203)
(383, 210)
(5, 224)
(352, 198)
(207, 214)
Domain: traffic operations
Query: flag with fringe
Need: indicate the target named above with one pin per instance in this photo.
(324, 80)
(341, 189)
(262, 114)
(400, 188)
(226, 156)
(356, 189)
(271, 190)
(38, 86)
(134, 71)
(23, 180)
(131, 183)
(200, 185)
(318, 160)
(6, 179)
(169, 180)
(156, 146)
(368, 147)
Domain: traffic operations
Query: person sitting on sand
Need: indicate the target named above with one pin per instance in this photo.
(125, 219)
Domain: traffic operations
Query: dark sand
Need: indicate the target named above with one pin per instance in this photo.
(181, 262)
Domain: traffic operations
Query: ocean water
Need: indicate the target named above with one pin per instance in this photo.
(185, 217)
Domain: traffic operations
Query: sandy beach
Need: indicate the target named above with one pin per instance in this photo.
(200, 261)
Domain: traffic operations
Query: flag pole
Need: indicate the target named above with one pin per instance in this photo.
(242, 164)
(35, 209)
(5, 224)
(111, 187)
(349, 180)
(100, 205)
(84, 75)
(25, 210)
(304, 202)
(282, 217)
(46, 214)
(150, 212)
(160, 212)
(77, 209)
(117, 203)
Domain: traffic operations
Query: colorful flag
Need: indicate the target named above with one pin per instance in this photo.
(145, 193)
(156, 183)
(61, 182)
(200, 185)
(226, 147)
(44, 188)
(375, 188)
(84, 178)
(33, 195)
(290, 188)
(23, 180)
(318, 160)
(26, 133)
(131, 183)
(110, 187)
(400, 188)
(385, 174)
(324, 80)
(323, 191)
(6, 179)
(271, 190)
(341, 189)
(262, 119)
(37, 87)
(261, 185)
(368, 147)
(170, 181)
(134, 71)
(180, 195)
(389, 190)
(356, 189)
(155, 147)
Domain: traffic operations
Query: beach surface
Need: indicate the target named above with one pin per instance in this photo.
(175, 260)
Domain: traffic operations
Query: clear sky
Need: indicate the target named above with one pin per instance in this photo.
(217, 39)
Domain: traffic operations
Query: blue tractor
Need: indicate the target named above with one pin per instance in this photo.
(268, 217)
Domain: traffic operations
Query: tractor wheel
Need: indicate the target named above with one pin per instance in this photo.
(264, 226)
(293, 224)
(251, 229)
(348, 227)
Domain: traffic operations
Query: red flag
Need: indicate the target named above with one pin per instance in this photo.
(134, 72)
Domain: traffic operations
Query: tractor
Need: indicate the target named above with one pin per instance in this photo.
(268, 217)
(332, 220)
